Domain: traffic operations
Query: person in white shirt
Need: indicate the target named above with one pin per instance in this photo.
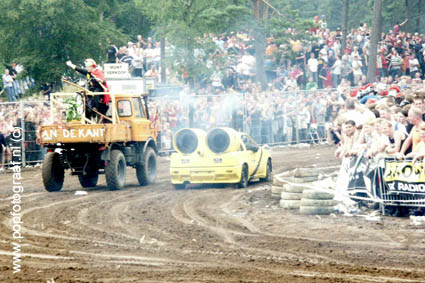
(156, 55)
(148, 56)
(8, 86)
(137, 63)
(336, 71)
(356, 64)
(313, 65)
(414, 65)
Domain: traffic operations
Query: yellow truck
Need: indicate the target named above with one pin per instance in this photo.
(222, 155)
(123, 137)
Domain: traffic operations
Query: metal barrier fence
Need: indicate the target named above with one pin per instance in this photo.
(384, 180)
(18, 124)
(266, 117)
(272, 120)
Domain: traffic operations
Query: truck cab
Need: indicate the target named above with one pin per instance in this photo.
(122, 138)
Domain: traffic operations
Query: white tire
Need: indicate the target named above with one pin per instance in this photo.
(306, 172)
(278, 182)
(276, 192)
(277, 189)
(290, 204)
(314, 194)
(291, 196)
(300, 180)
(316, 210)
(288, 173)
(295, 188)
(318, 202)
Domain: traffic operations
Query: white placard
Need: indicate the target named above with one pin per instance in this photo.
(135, 86)
(116, 71)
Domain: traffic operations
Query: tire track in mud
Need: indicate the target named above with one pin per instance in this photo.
(105, 228)
(28, 232)
(191, 207)
(386, 240)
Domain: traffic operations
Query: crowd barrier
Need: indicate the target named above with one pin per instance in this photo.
(385, 180)
(266, 124)
(22, 118)
(197, 111)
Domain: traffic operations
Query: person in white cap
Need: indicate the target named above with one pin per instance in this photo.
(97, 83)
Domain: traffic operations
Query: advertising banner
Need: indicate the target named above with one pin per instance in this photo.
(405, 177)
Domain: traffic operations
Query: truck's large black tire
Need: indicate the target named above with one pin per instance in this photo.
(89, 180)
(115, 171)
(146, 173)
(53, 172)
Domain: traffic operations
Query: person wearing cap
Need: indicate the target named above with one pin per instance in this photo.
(97, 83)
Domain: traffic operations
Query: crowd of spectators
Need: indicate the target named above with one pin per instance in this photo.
(309, 83)
(14, 85)
(34, 114)
(142, 56)
(392, 127)
(318, 63)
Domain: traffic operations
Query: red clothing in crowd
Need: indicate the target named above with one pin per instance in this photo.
(328, 82)
(98, 73)
(396, 29)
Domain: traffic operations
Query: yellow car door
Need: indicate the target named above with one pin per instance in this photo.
(253, 155)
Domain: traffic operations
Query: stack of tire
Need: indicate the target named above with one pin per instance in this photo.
(290, 198)
(317, 202)
(293, 190)
(277, 187)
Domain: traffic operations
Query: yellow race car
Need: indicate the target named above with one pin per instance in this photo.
(222, 155)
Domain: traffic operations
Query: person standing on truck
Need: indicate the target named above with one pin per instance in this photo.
(97, 83)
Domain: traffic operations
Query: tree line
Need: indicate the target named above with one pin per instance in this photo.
(43, 34)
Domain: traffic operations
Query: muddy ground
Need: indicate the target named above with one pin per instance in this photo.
(158, 234)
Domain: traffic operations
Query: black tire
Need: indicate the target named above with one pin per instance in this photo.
(89, 180)
(179, 186)
(268, 177)
(115, 171)
(146, 173)
(53, 172)
(244, 177)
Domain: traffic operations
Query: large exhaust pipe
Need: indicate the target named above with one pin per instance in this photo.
(186, 141)
(221, 140)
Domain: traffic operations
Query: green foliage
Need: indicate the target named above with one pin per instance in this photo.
(184, 23)
(41, 35)
(71, 110)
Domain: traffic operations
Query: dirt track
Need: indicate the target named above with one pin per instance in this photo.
(157, 234)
